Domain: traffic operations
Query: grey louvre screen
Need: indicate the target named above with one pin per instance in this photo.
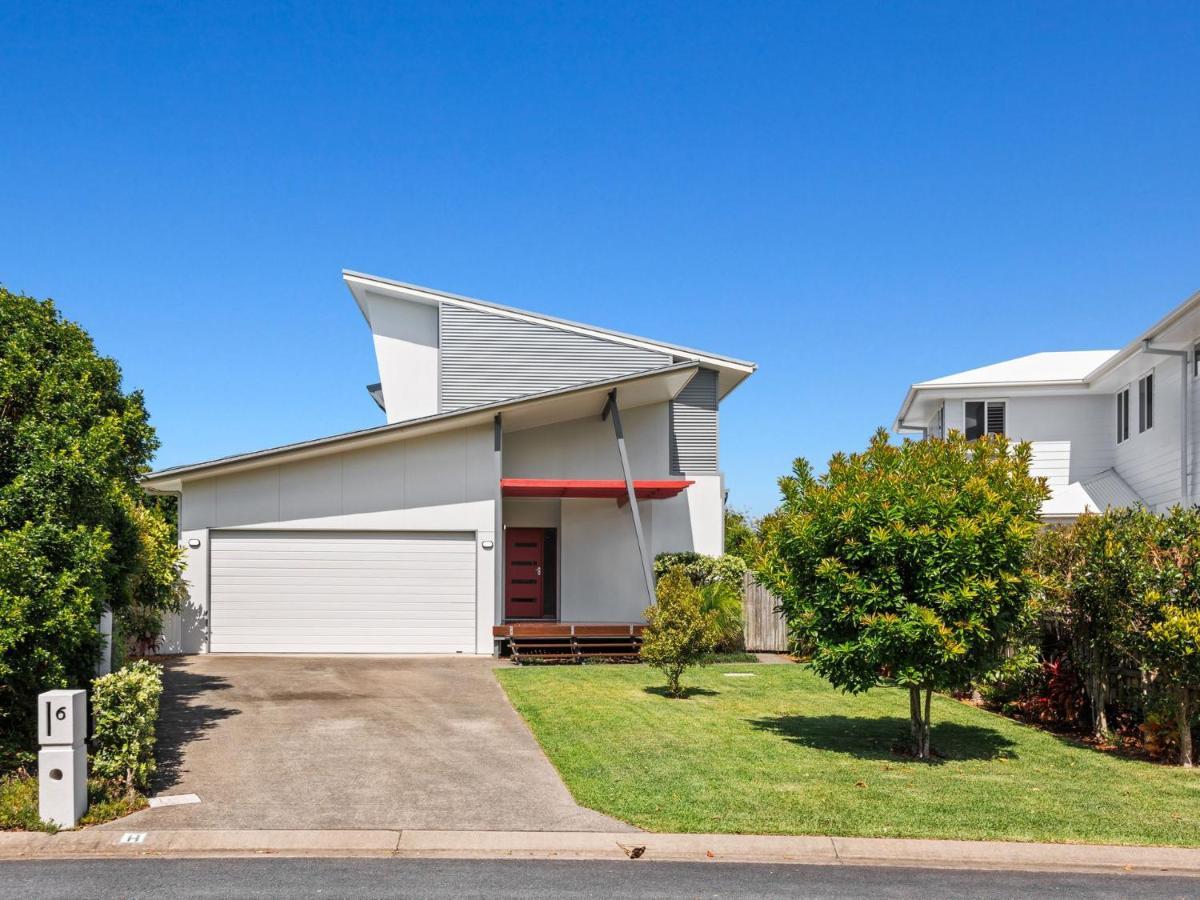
(995, 418)
(486, 357)
(694, 426)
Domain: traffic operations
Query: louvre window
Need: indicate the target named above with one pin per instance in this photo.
(1146, 402)
(1122, 415)
(983, 417)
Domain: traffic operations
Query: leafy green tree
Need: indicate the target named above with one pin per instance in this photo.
(74, 538)
(907, 563)
(741, 538)
(679, 634)
(1170, 607)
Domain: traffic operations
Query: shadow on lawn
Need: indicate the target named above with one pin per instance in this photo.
(661, 691)
(184, 718)
(887, 737)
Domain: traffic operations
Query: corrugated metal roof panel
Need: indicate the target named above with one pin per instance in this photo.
(485, 357)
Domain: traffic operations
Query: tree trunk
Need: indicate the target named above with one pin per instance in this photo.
(919, 721)
(1098, 691)
(1185, 728)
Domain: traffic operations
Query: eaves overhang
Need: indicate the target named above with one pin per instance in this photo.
(519, 413)
(967, 390)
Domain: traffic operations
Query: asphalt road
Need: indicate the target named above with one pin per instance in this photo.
(294, 878)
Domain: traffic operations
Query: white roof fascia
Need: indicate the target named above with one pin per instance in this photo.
(359, 283)
(968, 391)
(660, 384)
(1138, 344)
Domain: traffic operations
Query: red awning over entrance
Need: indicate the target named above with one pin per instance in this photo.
(596, 489)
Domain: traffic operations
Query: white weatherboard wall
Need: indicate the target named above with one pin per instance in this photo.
(442, 483)
(1071, 436)
(1149, 461)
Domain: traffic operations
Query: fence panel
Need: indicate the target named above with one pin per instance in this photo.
(766, 630)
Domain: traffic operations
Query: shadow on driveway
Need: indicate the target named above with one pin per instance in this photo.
(186, 716)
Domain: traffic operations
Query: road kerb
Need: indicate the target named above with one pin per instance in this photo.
(645, 847)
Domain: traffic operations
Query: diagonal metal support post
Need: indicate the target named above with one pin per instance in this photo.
(611, 408)
(498, 535)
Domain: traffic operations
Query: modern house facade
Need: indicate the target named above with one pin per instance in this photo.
(1108, 428)
(529, 470)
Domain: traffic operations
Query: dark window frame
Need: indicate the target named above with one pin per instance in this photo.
(1123, 415)
(1146, 402)
(984, 418)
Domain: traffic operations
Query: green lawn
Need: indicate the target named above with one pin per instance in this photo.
(781, 752)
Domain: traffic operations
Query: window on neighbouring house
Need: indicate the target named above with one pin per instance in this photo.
(982, 417)
(1122, 415)
(1196, 359)
(1146, 402)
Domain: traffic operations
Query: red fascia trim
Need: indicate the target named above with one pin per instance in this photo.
(596, 489)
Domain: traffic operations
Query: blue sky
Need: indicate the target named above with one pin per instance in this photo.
(855, 196)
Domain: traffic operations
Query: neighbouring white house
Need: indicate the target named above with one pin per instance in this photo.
(1109, 428)
(530, 469)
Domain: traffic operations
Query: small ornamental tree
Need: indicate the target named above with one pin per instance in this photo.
(907, 563)
(678, 632)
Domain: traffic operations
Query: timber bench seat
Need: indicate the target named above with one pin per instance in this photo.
(563, 642)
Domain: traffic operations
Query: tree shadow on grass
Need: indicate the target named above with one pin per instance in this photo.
(661, 691)
(184, 717)
(887, 737)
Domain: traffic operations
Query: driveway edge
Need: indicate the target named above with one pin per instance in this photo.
(606, 845)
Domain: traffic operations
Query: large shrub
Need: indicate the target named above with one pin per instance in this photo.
(125, 713)
(74, 538)
(701, 569)
(1103, 570)
(678, 632)
(907, 563)
(1168, 641)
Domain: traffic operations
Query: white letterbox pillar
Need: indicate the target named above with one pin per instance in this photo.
(62, 759)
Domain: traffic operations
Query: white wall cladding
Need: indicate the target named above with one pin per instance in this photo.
(1149, 461)
(1071, 436)
(694, 426)
(486, 357)
(342, 592)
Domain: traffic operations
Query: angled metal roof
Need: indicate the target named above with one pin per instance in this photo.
(554, 320)
(673, 378)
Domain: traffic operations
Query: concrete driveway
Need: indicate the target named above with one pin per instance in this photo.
(352, 742)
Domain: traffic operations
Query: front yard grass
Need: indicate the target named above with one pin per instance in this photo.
(782, 752)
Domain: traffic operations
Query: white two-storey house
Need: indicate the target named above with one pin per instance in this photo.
(1109, 428)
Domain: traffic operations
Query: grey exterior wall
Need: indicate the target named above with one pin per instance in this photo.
(694, 427)
(487, 357)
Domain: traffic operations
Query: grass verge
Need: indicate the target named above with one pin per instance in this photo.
(19, 804)
(779, 751)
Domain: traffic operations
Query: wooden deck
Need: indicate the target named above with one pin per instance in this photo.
(570, 641)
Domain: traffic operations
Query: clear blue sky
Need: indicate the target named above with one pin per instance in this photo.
(855, 196)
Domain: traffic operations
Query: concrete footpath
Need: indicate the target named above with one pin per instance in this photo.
(93, 843)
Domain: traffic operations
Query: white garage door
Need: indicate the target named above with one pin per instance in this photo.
(341, 592)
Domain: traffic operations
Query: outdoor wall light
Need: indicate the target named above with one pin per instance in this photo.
(486, 545)
(193, 543)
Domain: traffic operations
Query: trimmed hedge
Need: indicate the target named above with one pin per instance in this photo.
(125, 708)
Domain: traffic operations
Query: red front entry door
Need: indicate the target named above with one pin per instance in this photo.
(524, 563)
